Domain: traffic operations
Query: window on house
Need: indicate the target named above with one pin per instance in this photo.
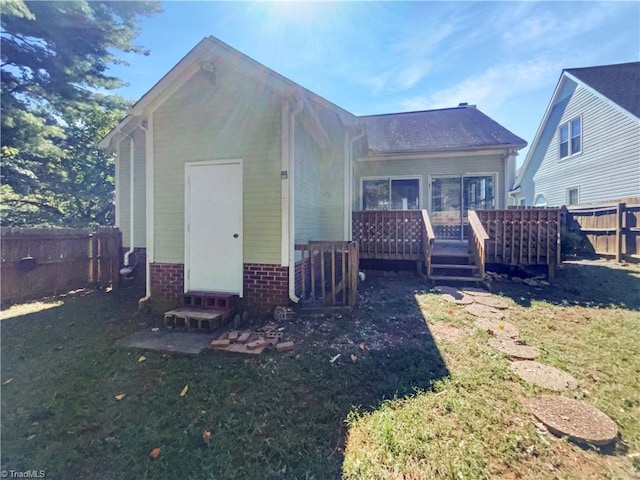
(570, 137)
(391, 194)
(573, 196)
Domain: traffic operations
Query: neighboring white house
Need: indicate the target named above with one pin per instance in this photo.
(587, 147)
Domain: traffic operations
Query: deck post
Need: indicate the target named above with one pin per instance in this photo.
(620, 209)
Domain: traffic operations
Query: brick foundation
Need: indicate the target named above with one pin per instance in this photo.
(264, 287)
(167, 281)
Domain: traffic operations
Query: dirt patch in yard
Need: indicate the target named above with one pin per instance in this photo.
(387, 317)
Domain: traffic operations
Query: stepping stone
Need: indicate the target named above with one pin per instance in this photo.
(460, 300)
(543, 375)
(513, 349)
(575, 419)
(453, 295)
(493, 302)
(478, 310)
(476, 292)
(497, 327)
(447, 289)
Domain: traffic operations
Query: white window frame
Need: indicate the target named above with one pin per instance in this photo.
(570, 136)
(390, 178)
(568, 195)
(496, 180)
(537, 197)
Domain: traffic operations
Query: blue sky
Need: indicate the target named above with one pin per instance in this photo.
(383, 57)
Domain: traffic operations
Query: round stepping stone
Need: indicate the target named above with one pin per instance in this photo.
(460, 300)
(575, 419)
(476, 292)
(543, 375)
(513, 349)
(492, 302)
(478, 310)
(447, 289)
(497, 327)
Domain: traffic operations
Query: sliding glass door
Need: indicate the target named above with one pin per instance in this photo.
(453, 196)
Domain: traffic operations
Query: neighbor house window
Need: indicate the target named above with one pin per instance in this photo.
(570, 137)
(540, 200)
(573, 196)
(391, 194)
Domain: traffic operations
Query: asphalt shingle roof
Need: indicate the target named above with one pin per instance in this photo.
(620, 83)
(462, 127)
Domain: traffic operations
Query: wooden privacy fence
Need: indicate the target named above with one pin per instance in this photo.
(611, 229)
(42, 261)
(327, 272)
(522, 236)
(389, 234)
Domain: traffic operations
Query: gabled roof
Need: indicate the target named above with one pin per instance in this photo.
(460, 128)
(206, 51)
(620, 83)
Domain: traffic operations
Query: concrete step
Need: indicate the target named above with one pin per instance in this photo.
(210, 300)
(198, 319)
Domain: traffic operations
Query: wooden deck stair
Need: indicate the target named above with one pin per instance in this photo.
(202, 311)
(451, 261)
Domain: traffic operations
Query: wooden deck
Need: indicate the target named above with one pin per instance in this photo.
(512, 237)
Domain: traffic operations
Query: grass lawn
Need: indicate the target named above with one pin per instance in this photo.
(423, 396)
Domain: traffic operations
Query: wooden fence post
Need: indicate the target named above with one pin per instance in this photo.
(620, 214)
(93, 258)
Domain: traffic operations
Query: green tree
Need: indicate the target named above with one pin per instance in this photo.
(55, 106)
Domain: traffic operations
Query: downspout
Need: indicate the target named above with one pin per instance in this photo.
(132, 222)
(292, 204)
(351, 179)
(147, 296)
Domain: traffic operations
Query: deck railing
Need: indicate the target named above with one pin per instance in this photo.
(478, 242)
(428, 237)
(327, 273)
(522, 236)
(389, 234)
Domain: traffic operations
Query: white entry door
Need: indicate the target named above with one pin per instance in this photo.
(213, 214)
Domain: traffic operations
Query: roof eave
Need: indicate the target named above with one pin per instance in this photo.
(503, 146)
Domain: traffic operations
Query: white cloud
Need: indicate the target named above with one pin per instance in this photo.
(491, 88)
(552, 24)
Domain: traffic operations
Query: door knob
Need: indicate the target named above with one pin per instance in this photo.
(235, 235)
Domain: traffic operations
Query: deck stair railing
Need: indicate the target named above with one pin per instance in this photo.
(327, 273)
(428, 239)
(478, 242)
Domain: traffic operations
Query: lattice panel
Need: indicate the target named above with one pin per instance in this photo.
(523, 236)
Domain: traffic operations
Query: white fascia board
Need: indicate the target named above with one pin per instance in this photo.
(536, 139)
(390, 156)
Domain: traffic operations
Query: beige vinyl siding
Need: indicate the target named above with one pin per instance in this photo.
(308, 167)
(332, 180)
(124, 189)
(428, 168)
(608, 166)
(319, 182)
(231, 117)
